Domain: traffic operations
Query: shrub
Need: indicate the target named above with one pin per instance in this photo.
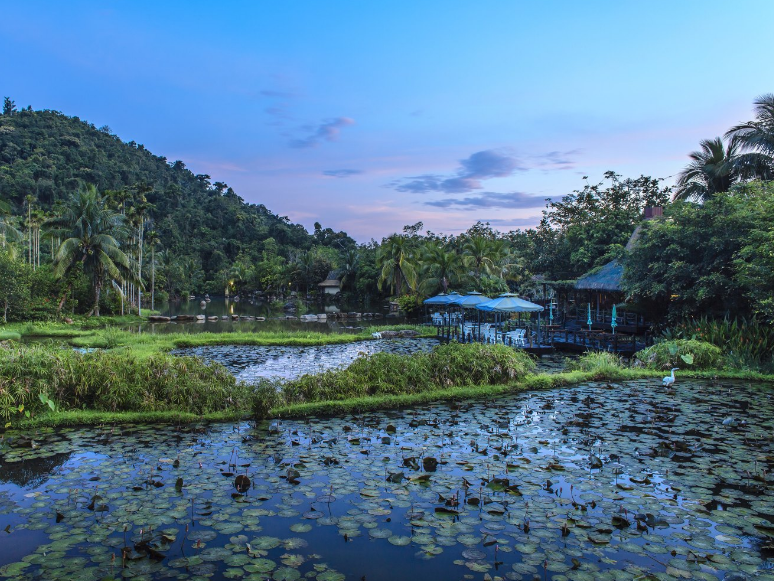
(684, 353)
(746, 343)
(599, 362)
(445, 366)
(114, 381)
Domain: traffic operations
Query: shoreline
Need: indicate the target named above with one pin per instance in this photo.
(332, 408)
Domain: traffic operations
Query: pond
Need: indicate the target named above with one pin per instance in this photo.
(593, 482)
(250, 363)
(275, 318)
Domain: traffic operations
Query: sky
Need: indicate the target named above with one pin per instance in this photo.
(368, 116)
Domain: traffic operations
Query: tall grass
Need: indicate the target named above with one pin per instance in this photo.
(114, 381)
(382, 374)
(746, 344)
(599, 363)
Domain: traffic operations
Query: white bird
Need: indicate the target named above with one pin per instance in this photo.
(670, 379)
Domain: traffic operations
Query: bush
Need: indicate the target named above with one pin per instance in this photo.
(445, 366)
(600, 362)
(114, 381)
(746, 343)
(684, 353)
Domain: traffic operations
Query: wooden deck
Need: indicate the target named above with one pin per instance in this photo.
(573, 340)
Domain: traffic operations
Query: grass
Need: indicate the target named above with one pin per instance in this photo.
(135, 381)
(387, 374)
(113, 381)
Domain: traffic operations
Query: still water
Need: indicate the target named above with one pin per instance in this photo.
(597, 481)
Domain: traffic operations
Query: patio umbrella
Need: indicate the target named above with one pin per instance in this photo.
(613, 322)
(589, 320)
(469, 301)
(511, 303)
(441, 299)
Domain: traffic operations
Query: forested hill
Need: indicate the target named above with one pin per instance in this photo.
(205, 225)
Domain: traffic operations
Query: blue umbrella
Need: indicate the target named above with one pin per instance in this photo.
(509, 303)
(613, 322)
(589, 321)
(441, 299)
(470, 300)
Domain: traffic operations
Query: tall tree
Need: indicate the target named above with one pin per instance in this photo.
(481, 253)
(712, 170)
(89, 227)
(396, 267)
(8, 231)
(440, 268)
(152, 239)
(757, 135)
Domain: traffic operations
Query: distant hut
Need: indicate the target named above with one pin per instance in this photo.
(331, 285)
(603, 288)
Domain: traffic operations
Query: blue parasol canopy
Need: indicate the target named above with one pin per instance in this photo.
(441, 299)
(470, 300)
(509, 303)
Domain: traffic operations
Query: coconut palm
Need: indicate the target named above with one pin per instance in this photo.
(395, 264)
(482, 254)
(712, 170)
(757, 135)
(88, 228)
(441, 268)
(350, 261)
(152, 239)
(8, 232)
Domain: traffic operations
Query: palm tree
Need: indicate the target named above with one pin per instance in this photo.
(8, 232)
(482, 253)
(89, 228)
(151, 239)
(350, 261)
(440, 268)
(757, 135)
(714, 169)
(394, 261)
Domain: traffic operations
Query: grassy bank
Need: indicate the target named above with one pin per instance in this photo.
(105, 333)
(42, 377)
(44, 385)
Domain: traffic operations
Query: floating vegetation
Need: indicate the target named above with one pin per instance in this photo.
(596, 482)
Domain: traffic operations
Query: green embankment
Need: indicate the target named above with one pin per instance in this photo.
(137, 382)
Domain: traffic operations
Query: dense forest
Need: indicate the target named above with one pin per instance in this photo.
(207, 235)
(171, 232)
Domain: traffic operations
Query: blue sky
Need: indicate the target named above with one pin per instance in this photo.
(367, 116)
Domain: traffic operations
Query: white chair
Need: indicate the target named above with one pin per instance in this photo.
(516, 337)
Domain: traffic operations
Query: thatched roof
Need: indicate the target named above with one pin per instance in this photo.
(607, 278)
(331, 283)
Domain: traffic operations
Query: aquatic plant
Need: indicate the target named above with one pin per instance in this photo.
(747, 344)
(683, 353)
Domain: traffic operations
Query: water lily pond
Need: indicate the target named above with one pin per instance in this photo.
(598, 481)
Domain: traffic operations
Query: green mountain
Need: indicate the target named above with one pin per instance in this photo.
(204, 226)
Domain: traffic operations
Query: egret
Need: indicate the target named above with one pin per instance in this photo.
(670, 379)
